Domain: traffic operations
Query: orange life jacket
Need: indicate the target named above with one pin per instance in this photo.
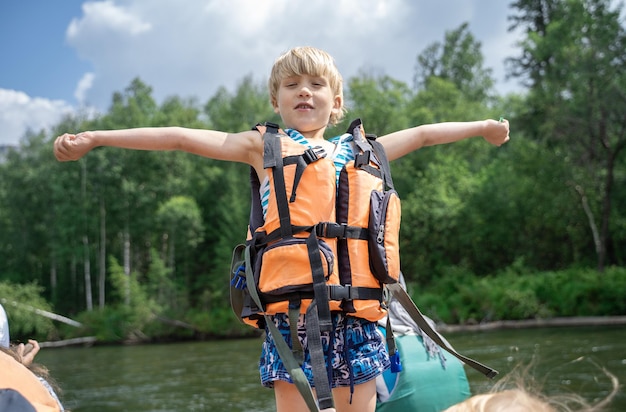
(14, 375)
(315, 241)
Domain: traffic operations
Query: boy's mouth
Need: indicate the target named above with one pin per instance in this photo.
(303, 106)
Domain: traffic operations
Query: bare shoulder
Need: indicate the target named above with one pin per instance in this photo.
(245, 147)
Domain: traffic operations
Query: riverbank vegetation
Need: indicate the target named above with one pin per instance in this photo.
(516, 294)
(455, 299)
(136, 246)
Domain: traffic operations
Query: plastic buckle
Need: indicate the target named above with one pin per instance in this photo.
(309, 156)
(313, 154)
(340, 292)
(396, 364)
(239, 280)
(271, 127)
(332, 230)
(362, 159)
(321, 229)
(319, 151)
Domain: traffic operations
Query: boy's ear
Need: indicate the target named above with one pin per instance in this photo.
(275, 105)
(338, 104)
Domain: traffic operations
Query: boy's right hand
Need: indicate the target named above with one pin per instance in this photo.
(69, 147)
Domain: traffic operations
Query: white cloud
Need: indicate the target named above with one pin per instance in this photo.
(105, 16)
(20, 112)
(191, 48)
(83, 87)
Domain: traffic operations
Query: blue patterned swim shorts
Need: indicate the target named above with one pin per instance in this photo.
(358, 352)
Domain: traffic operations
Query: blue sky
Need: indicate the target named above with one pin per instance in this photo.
(37, 59)
(67, 55)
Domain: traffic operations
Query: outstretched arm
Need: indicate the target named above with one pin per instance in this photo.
(244, 147)
(400, 143)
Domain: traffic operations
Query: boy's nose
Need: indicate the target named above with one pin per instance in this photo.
(305, 91)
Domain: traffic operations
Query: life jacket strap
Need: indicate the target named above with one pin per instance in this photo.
(335, 292)
(340, 231)
(321, 379)
(294, 315)
(348, 292)
(320, 291)
(398, 292)
(272, 158)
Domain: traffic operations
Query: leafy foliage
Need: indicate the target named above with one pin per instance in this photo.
(20, 302)
(573, 60)
(517, 294)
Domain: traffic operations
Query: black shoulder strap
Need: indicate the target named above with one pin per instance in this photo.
(272, 158)
(256, 211)
(380, 153)
(403, 297)
(367, 144)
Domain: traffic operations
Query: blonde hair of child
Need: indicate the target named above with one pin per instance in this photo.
(307, 61)
(511, 400)
(518, 392)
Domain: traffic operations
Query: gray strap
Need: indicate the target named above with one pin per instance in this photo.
(318, 364)
(390, 337)
(406, 301)
(296, 347)
(320, 289)
(291, 364)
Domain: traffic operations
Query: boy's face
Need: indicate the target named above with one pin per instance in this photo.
(305, 103)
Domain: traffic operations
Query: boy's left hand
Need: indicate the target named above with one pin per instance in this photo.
(497, 132)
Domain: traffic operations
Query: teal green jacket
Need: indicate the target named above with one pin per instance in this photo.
(423, 385)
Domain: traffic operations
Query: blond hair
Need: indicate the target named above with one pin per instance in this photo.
(511, 400)
(307, 61)
(517, 392)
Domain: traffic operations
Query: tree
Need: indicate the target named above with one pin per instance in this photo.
(181, 224)
(380, 101)
(38, 224)
(458, 60)
(435, 183)
(240, 111)
(21, 303)
(573, 59)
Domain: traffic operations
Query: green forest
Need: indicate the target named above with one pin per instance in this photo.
(136, 246)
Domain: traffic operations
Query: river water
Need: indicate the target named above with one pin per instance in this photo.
(223, 376)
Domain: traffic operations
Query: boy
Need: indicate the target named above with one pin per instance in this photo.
(306, 90)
